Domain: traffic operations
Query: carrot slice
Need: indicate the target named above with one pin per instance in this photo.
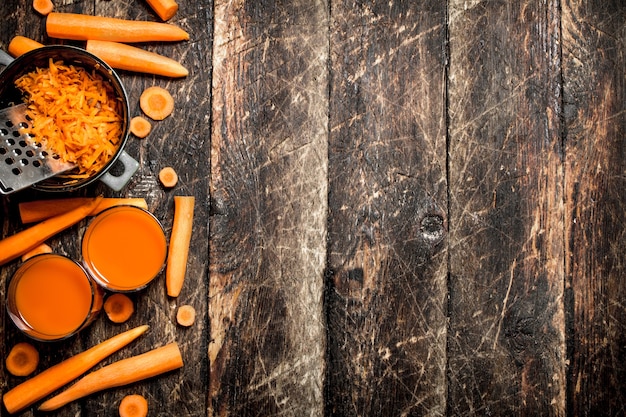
(156, 102)
(43, 248)
(131, 58)
(168, 177)
(140, 127)
(22, 359)
(43, 7)
(19, 45)
(166, 9)
(180, 238)
(186, 315)
(118, 307)
(133, 405)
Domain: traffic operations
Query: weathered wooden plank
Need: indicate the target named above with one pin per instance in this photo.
(506, 336)
(386, 289)
(181, 141)
(268, 218)
(594, 59)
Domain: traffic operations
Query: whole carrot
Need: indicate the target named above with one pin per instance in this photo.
(179, 244)
(82, 27)
(18, 244)
(130, 58)
(123, 372)
(19, 45)
(166, 9)
(60, 374)
(38, 210)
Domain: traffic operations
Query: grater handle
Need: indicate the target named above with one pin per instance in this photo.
(117, 182)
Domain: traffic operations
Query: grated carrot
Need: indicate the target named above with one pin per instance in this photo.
(75, 114)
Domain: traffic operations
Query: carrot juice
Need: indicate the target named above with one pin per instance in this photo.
(51, 297)
(124, 248)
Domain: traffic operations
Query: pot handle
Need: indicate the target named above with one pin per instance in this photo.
(117, 182)
(5, 59)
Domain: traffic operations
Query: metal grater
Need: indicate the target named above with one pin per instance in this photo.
(23, 161)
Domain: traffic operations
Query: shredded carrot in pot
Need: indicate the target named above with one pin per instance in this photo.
(75, 114)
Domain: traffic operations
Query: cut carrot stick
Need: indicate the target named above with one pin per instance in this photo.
(19, 45)
(22, 359)
(156, 102)
(38, 210)
(166, 9)
(60, 374)
(118, 307)
(43, 248)
(186, 315)
(123, 372)
(178, 251)
(43, 7)
(18, 244)
(133, 405)
(140, 127)
(82, 27)
(168, 177)
(131, 58)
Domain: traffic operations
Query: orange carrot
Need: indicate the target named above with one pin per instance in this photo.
(178, 251)
(186, 315)
(37, 210)
(82, 27)
(166, 9)
(133, 405)
(19, 45)
(123, 372)
(118, 307)
(18, 244)
(38, 250)
(156, 102)
(22, 359)
(131, 58)
(140, 127)
(168, 177)
(43, 7)
(60, 374)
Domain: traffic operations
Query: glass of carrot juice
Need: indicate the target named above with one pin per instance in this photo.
(124, 248)
(51, 297)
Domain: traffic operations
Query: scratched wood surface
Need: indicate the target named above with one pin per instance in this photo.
(403, 209)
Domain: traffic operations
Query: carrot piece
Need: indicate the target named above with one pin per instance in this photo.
(131, 58)
(168, 177)
(186, 315)
(82, 27)
(156, 102)
(43, 248)
(133, 405)
(140, 127)
(178, 251)
(38, 210)
(43, 7)
(118, 307)
(166, 9)
(22, 359)
(53, 378)
(123, 372)
(18, 244)
(19, 45)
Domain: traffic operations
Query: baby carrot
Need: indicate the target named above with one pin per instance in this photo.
(133, 405)
(131, 58)
(38, 210)
(19, 45)
(166, 9)
(123, 372)
(60, 374)
(18, 244)
(22, 359)
(180, 238)
(81, 27)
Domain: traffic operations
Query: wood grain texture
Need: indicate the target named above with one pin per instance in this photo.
(268, 218)
(506, 337)
(594, 57)
(386, 284)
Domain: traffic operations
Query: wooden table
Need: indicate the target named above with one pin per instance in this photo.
(404, 208)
